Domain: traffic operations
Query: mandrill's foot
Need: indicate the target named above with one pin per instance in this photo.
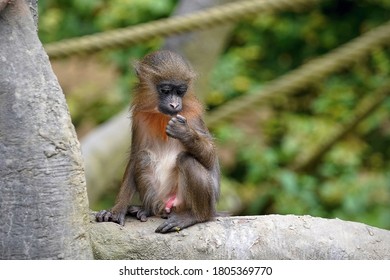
(177, 222)
(139, 212)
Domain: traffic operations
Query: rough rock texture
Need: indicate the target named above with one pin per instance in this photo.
(251, 237)
(43, 201)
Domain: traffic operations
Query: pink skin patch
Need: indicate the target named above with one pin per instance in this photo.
(170, 203)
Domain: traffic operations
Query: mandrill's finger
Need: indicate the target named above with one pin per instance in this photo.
(181, 119)
(103, 216)
(99, 215)
(172, 121)
(142, 216)
(119, 219)
(168, 226)
(164, 227)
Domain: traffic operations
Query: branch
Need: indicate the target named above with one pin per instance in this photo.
(251, 237)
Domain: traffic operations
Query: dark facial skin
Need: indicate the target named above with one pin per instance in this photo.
(170, 97)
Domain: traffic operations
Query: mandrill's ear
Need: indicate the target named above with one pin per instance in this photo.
(137, 67)
(144, 71)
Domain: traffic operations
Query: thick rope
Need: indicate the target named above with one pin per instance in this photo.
(311, 72)
(125, 37)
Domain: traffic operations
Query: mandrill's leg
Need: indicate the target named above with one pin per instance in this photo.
(143, 173)
(195, 191)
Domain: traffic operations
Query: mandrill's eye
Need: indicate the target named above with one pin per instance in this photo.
(164, 89)
(181, 90)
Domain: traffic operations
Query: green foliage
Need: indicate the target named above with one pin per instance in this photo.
(67, 19)
(351, 181)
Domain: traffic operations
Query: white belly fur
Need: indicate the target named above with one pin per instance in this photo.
(166, 174)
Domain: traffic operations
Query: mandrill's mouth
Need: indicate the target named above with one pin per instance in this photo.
(169, 111)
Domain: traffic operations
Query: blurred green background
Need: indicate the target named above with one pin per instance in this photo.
(352, 180)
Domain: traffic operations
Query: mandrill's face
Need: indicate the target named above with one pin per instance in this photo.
(170, 95)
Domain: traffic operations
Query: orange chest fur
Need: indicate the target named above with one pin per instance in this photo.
(155, 124)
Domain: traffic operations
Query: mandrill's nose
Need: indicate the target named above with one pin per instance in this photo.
(174, 105)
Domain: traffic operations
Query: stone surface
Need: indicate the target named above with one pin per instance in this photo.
(272, 237)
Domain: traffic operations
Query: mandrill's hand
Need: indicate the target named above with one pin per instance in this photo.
(111, 216)
(178, 128)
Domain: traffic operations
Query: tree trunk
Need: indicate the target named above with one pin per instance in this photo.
(271, 237)
(43, 202)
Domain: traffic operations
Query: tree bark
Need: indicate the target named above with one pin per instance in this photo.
(43, 202)
(272, 237)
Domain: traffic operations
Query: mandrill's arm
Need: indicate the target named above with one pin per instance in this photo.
(195, 138)
(118, 212)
